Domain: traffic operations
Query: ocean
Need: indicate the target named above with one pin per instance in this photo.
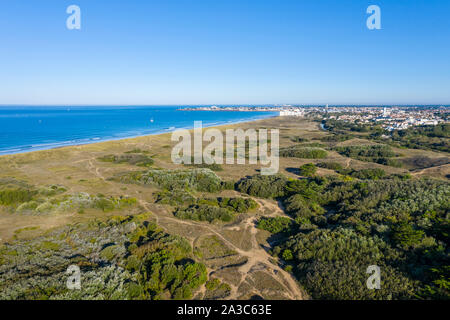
(24, 129)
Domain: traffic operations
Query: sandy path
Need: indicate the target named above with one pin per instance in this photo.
(255, 256)
(347, 165)
(444, 167)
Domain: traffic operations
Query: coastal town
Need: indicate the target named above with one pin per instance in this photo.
(388, 117)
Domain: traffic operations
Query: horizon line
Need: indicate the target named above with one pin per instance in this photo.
(229, 104)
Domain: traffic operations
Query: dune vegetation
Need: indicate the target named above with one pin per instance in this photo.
(140, 227)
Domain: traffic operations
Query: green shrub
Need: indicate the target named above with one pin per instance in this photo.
(404, 234)
(263, 186)
(303, 152)
(394, 163)
(196, 179)
(212, 284)
(158, 265)
(287, 255)
(274, 225)
(49, 245)
(370, 153)
(175, 197)
(130, 158)
(205, 212)
(239, 205)
(332, 264)
(137, 150)
(372, 174)
(330, 165)
(104, 204)
(301, 208)
(27, 206)
(308, 170)
(16, 196)
(298, 139)
(213, 166)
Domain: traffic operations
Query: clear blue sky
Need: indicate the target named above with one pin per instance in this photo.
(224, 52)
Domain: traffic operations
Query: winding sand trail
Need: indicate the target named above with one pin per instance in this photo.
(444, 167)
(256, 256)
(347, 163)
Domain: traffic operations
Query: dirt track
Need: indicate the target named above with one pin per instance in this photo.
(256, 256)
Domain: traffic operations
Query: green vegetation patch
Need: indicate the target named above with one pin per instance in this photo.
(213, 166)
(274, 225)
(298, 139)
(130, 157)
(205, 213)
(308, 170)
(332, 264)
(216, 289)
(381, 154)
(330, 165)
(194, 179)
(219, 209)
(263, 186)
(124, 257)
(303, 152)
(364, 174)
(176, 197)
(400, 225)
(336, 137)
(16, 196)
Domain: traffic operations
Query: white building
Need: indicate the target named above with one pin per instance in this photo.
(294, 113)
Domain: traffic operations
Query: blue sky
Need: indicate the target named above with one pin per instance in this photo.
(224, 52)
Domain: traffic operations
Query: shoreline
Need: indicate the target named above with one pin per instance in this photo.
(160, 132)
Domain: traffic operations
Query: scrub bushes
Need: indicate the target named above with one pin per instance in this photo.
(303, 152)
(195, 179)
(220, 209)
(124, 257)
(263, 186)
(274, 225)
(132, 158)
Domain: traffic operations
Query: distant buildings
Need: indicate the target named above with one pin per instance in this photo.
(390, 118)
(294, 113)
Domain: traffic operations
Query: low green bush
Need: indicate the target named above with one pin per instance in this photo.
(303, 152)
(298, 139)
(263, 186)
(330, 165)
(308, 170)
(194, 179)
(371, 153)
(205, 212)
(16, 196)
(130, 158)
(274, 225)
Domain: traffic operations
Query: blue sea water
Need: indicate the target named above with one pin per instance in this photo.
(24, 129)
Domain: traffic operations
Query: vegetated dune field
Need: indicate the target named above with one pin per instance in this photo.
(51, 198)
